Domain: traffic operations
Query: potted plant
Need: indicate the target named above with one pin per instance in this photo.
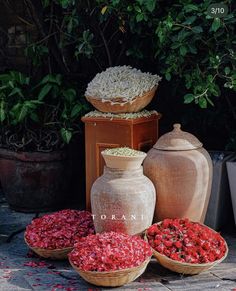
(38, 121)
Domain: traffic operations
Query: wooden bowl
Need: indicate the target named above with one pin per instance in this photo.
(113, 278)
(184, 268)
(56, 254)
(117, 105)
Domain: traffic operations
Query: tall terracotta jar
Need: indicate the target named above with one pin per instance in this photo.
(181, 170)
(123, 199)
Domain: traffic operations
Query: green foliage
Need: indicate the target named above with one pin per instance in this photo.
(178, 39)
(84, 46)
(36, 53)
(201, 50)
(176, 36)
(13, 86)
(49, 103)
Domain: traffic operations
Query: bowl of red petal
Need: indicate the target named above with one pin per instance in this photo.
(110, 259)
(186, 247)
(54, 235)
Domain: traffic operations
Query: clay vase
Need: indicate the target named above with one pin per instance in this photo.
(181, 170)
(123, 200)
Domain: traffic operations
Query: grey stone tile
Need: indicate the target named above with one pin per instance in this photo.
(140, 287)
(12, 280)
(229, 274)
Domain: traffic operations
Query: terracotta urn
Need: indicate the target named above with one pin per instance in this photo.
(181, 170)
(123, 199)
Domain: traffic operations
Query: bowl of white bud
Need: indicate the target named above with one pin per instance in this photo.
(123, 158)
(122, 89)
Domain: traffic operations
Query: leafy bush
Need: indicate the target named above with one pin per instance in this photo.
(201, 51)
(41, 116)
(178, 37)
(194, 51)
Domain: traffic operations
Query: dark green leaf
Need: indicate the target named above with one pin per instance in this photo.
(215, 24)
(76, 110)
(11, 84)
(66, 135)
(161, 36)
(57, 78)
(16, 91)
(183, 50)
(30, 104)
(69, 94)
(190, 20)
(65, 3)
(137, 9)
(44, 91)
(175, 45)
(168, 76)
(197, 29)
(27, 80)
(2, 111)
(202, 102)
(150, 4)
(19, 112)
(227, 70)
(192, 48)
(70, 25)
(183, 34)
(188, 98)
(190, 8)
(139, 17)
(115, 2)
(45, 79)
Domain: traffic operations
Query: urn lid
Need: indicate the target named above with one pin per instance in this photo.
(177, 140)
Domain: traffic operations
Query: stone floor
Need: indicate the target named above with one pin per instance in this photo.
(20, 270)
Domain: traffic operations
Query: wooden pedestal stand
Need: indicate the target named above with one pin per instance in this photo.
(101, 133)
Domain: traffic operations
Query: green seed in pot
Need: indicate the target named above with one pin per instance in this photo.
(123, 151)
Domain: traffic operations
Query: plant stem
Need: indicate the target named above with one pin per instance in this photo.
(106, 47)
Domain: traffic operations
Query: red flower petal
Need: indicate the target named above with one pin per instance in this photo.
(60, 229)
(109, 251)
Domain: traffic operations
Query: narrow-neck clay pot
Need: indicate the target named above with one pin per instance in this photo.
(123, 201)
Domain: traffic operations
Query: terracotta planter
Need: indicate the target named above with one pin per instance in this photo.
(34, 182)
(123, 201)
(181, 170)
